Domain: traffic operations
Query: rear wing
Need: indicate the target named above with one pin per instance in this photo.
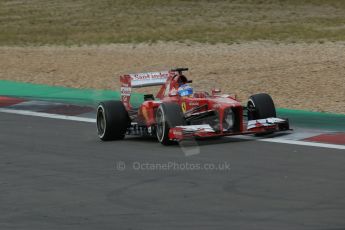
(139, 80)
(146, 79)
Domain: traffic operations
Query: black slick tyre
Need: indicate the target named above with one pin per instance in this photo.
(261, 106)
(168, 115)
(112, 120)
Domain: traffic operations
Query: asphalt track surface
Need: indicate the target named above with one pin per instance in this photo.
(56, 174)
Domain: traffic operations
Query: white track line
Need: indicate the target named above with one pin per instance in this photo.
(48, 115)
(91, 120)
(305, 143)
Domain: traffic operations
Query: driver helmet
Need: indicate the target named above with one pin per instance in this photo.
(185, 90)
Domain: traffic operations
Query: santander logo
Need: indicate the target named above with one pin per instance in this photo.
(149, 76)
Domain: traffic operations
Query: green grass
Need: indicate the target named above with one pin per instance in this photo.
(78, 22)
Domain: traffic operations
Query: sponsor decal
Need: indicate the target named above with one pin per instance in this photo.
(149, 78)
(196, 128)
(193, 103)
(126, 91)
(177, 132)
(226, 100)
(264, 122)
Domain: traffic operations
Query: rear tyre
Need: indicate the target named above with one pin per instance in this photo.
(168, 116)
(261, 106)
(112, 120)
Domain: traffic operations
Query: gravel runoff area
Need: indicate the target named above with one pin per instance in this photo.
(298, 75)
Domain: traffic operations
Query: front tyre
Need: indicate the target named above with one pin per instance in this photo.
(260, 106)
(168, 115)
(112, 120)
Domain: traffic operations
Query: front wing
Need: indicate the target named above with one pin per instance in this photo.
(272, 124)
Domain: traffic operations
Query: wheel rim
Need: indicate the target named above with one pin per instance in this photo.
(101, 124)
(251, 110)
(160, 125)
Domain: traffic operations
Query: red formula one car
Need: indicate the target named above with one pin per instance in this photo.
(178, 113)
